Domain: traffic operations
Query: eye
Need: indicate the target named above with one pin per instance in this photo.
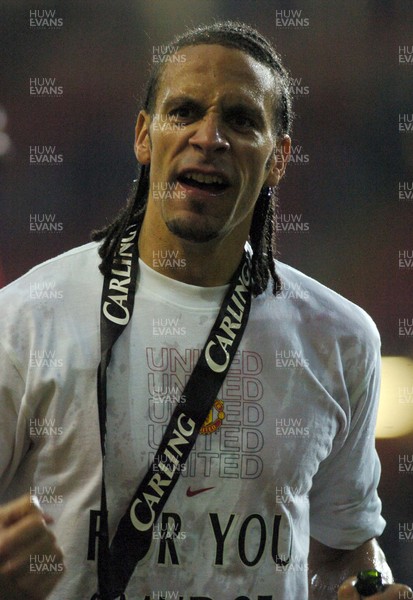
(182, 113)
(242, 121)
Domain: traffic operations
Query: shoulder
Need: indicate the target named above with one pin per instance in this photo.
(74, 266)
(70, 283)
(56, 302)
(318, 316)
(320, 301)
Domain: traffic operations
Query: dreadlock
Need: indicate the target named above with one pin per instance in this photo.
(262, 232)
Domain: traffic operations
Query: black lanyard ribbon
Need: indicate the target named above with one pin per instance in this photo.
(132, 539)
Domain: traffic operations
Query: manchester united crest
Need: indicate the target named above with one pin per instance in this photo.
(214, 419)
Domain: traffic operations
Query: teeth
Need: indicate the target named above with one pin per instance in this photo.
(201, 178)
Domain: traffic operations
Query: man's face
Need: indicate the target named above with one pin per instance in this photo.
(210, 143)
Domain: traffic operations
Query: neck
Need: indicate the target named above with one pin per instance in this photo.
(203, 264)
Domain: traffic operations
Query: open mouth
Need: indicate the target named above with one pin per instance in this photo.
(214, 184)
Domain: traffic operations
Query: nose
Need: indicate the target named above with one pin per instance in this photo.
(208, 136)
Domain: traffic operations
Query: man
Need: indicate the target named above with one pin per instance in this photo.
(286, 451)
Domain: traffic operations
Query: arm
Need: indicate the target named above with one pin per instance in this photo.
(329, 567)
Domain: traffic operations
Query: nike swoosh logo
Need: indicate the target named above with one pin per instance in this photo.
(191, 493)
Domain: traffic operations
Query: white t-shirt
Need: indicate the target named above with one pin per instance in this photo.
(287, 451)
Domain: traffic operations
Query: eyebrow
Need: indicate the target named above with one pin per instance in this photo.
(182, 99)
(237, 107)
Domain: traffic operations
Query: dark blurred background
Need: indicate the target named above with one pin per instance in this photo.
(349, 181)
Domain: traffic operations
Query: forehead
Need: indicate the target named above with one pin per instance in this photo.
(211, 69)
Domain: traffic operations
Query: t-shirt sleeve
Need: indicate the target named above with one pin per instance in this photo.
(344, 504)
(12, 421)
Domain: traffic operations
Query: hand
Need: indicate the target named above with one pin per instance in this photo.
(31, 563)
(395, 591)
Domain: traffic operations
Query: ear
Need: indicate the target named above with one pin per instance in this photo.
(142, 144)
(278, 161)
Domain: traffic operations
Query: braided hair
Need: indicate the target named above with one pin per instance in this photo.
(262, 231)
